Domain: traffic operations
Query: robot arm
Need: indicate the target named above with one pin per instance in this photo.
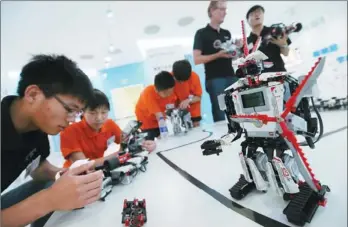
(132, 138)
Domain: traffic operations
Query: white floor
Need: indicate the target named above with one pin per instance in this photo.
(328, 161)
(174, 201)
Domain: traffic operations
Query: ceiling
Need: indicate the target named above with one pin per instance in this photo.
(83, 28)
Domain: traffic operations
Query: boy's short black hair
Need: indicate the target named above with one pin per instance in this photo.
(164, 80)
(99, 100)
(182, 70)
(252, 9)
(55, 74)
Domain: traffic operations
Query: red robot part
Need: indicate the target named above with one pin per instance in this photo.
(289, 135)
(290, 104)
(245, 46)
(124, 158)
(256, 44)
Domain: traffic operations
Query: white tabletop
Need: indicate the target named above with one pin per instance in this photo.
(173, 201)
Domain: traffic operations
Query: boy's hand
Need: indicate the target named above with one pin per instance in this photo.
(149, 145)
(73, 190)
(184, 104)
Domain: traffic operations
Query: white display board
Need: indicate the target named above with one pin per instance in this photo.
(161, 59)
(124, 100)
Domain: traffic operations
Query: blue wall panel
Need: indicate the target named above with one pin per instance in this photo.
(122, 76)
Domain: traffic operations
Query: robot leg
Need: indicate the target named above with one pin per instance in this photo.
(289, 186)
(292, 167)
(245, 183)
(271, 176)
(259, 181)
(265, 166)
(245, 168)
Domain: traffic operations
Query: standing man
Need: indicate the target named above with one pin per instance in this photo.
(219, 72)
(275, 48)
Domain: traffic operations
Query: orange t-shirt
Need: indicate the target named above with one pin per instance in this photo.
(80, 137)
(190, 87)
(150, 103)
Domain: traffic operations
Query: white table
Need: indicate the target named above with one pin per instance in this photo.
(174, 201)
(171, 200)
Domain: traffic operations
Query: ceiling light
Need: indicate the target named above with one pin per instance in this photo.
(184, 21)
(109, 13)
(151, 29)
(111, 48)
(107, 59)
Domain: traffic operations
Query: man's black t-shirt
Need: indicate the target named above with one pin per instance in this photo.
(18, 150)
(207, 40)
(272, 51)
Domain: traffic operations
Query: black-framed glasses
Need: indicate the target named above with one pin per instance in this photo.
(71, 112)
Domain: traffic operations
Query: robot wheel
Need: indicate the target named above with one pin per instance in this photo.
(241, 188)
(304, 204)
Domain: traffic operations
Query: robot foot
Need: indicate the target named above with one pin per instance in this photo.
(304, 204)
(288, 196)
(241, 188)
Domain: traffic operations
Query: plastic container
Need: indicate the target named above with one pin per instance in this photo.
(163, 128)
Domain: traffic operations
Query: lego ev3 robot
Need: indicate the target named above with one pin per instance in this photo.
(270, 109)
(180, 120)
(133, 158)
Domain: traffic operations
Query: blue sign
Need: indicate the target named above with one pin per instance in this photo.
(326, 50)
(342, 59)
(316, 54)
(333, 47)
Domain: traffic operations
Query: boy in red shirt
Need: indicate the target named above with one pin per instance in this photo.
(188, 89)
(91, 137)
(154, 101)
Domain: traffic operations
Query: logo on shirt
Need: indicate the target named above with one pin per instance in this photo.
(30, 156)
(217, 44)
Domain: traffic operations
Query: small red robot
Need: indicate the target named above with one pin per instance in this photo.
(134, 213)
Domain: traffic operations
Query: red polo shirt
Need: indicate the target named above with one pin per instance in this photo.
(190, 87)
(150, 103)
(80, 137)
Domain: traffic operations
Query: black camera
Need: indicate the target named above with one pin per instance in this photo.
(251, 67)
(278, 30)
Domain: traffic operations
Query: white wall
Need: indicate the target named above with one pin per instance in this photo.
(324, 23)
(160, 54)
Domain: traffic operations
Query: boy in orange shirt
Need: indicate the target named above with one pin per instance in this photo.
(90, 137)
(154, 101)
(188, 89)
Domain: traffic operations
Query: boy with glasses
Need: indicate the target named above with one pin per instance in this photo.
(52, 90)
